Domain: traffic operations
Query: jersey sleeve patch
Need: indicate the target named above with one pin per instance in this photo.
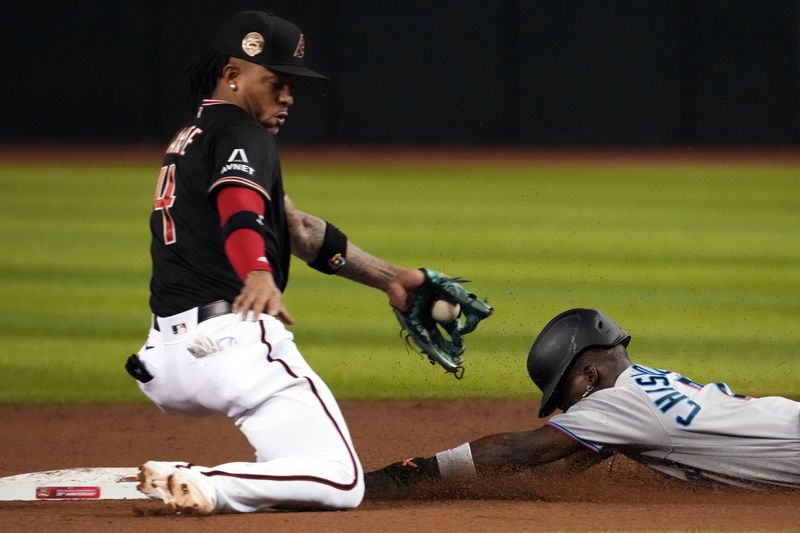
(243, 154)
(240, 182)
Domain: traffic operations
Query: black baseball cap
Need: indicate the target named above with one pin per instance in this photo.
(264, 39)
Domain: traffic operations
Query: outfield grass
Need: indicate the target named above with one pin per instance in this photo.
(700, 263)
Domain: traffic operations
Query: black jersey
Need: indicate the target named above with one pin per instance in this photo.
(222, 147)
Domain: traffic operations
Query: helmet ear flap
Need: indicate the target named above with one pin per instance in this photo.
(564, 338)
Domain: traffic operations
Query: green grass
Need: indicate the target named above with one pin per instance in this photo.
(700, 263)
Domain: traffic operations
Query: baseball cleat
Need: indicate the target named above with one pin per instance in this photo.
(179, 488)
(189, 493)
(153, 479)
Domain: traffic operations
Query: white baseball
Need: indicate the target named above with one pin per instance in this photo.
(443, 311)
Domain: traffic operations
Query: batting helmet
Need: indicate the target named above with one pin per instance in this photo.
(561, 341)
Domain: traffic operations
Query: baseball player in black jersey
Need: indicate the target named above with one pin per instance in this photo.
(222, 231)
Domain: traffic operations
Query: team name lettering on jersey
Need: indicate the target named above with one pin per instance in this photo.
(183, 139)
(656, 384)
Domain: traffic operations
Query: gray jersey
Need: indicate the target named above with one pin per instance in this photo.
(690, 430)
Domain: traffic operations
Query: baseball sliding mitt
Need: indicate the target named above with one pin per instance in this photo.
(439, 314)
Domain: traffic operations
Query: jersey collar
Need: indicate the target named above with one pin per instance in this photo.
(209, 102)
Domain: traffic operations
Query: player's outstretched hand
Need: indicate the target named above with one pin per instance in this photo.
(404, 284)
(260, 295)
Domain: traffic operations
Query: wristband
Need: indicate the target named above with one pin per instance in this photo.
(333, 252)
(456, 465)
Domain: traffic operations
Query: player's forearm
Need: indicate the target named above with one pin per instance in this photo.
(308, 236)
(367, 269)
(487, 457)
(504, 452)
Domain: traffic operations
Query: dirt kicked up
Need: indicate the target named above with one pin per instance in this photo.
(618, 496)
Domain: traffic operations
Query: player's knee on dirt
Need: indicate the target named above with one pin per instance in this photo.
(351, 499)
(343, 497)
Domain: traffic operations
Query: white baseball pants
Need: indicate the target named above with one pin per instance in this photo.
(253, 372)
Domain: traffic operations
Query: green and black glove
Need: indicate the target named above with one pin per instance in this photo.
(442, 341)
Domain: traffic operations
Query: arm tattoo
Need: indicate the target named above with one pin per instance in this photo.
(307, 233)
(366, 268)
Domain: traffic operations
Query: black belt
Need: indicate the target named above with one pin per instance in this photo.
(205, 312)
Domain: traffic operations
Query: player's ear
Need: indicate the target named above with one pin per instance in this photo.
(591, 374)
(230, 72)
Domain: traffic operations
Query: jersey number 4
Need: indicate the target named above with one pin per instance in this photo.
(165, 198)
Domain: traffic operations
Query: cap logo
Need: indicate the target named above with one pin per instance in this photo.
(253, 43)
(300, 51)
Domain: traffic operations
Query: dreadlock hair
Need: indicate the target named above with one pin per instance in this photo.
(203, 75)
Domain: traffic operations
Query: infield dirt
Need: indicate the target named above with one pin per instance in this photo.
(622, 496)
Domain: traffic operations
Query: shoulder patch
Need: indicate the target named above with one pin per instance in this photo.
(238, 155)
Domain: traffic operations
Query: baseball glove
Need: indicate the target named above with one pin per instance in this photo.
(442, 342)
